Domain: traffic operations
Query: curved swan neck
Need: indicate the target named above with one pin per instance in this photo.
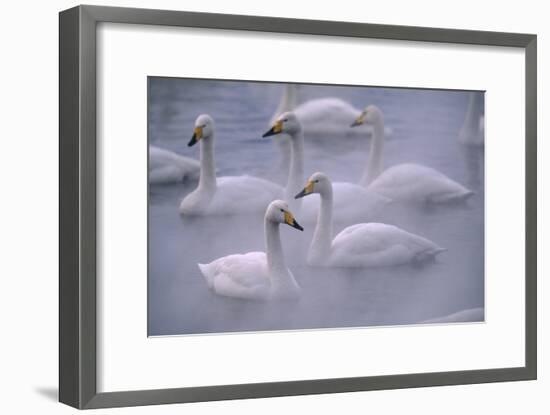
(207, 178)
(375, 160)
(322, 237)
(274, 251)
(296, 172)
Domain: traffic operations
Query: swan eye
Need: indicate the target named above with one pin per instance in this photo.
(285, 120)
(317, 181)
(282, 210)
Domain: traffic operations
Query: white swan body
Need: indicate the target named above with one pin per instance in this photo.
(321, 118)
(168, 167)
(414, 182)
(257, 275)
(351, 200)
(364, 244)
(404, 182)
(233, 195)
(326, 116)
(225, 195)
(379, 245)
(462, 316)
(473, 128)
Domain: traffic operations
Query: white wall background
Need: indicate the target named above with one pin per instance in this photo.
(28, 207)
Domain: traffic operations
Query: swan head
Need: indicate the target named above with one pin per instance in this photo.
(278, 212)
(204, 128)
(370, 115)
(286, 123)
(317, 183)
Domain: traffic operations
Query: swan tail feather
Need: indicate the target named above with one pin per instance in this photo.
(452, 197)
(428, 255)
(207, 272)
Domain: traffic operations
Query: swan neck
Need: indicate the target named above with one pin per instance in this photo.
(289, 99)
(375, 159)
(207, 178)
(295, 180)
(275, 260)
(322, 236)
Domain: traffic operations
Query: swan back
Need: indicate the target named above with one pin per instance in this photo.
(168, 167)
(379, 244)
(225, 195)
(257, 275)
(240, 276)
(417, 183)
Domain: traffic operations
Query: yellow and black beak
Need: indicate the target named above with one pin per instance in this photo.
(359, 120)
(289, 220)
(306, 191)
(197, 135)
(276, 129)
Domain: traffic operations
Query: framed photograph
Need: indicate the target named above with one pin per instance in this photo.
(257, 207)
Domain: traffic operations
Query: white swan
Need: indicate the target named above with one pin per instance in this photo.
(325, 117)
(364, 244)
(462, 316)
(224, 195)
(287, 124)
(257, 275)
(168, 167)
(404, 182)
(350, 199)
(473, 128)
(321, 118)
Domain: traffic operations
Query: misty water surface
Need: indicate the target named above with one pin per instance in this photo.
(425, 125)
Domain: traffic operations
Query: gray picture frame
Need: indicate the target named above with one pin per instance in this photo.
(77, 204)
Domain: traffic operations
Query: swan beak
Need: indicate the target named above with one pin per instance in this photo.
(289, 220)
(276, 129)
(197, 135)
(306, 191)
(359, 120)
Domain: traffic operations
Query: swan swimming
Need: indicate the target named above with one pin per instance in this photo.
(168, 167)
(364, 244)
(473, 128)
(404, 182)
(350, 199)
(327, 116)
(321, 119)
(224, 195)
(257, 275)
(288, 124)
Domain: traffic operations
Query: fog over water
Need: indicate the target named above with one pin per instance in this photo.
(425, 125)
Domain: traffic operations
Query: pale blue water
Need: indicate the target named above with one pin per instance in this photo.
(425, 127)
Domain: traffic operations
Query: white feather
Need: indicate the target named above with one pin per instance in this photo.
(379, 245)
(414, 182)
(360, 245)
(350, 201)
(168, 167)
(251, 276)
(225, 195)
